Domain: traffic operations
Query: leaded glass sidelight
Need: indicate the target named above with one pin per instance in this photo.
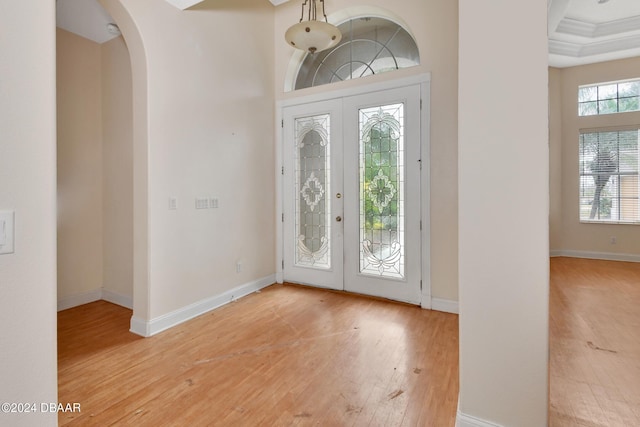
(312, 192)
(381, 165)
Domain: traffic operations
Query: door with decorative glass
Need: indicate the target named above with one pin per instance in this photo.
(313, 249)
(352, 194)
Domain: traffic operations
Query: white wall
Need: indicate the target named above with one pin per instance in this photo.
(434, 25)
(204, 128)
(28, 186)
(503, 213)
(140, 173)
(574, 237)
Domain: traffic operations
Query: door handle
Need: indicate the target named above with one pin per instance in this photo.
(338, 218)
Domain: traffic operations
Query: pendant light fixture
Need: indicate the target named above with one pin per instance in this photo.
(312, 35)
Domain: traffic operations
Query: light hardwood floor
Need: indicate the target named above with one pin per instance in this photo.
(300, 356)
(288, 355)
(594, 334)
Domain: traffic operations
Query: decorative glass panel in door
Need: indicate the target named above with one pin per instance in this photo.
(382, 191)
(382, 209)
(313, 209)
(312, 180)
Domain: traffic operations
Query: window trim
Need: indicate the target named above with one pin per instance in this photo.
(598, 100)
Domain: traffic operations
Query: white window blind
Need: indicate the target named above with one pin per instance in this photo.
(609, 190)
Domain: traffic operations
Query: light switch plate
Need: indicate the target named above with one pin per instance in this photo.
(6, 232)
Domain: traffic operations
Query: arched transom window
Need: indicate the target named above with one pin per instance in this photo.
(369, 46)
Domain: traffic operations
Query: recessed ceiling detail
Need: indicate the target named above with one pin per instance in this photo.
(588, 31)
(86, 18)
(580, 31)
(184, 4)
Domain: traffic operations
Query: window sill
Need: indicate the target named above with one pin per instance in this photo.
(586, 221)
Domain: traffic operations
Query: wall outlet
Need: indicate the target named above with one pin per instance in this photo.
(238, 267)
(213, 203)
(613, 240)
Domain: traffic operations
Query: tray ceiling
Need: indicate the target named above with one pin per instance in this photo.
(580, 31)
(589, 31)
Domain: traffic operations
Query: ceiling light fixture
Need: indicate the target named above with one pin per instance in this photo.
(313, 35)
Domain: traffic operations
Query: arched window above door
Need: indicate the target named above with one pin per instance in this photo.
(370, 45)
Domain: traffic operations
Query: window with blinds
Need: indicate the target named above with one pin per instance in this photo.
(609, 163)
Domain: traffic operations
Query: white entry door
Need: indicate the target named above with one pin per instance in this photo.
(352, 194)
(312, 173)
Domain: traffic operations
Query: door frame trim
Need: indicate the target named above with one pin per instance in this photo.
(424, 80)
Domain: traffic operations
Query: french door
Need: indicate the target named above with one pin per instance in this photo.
(351, 183)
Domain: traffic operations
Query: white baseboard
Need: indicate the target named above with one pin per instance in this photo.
(95, 295)
(607, 256)
(79, 299)
(117, 298)
(464, 420)
(164, 322)
(139, 327)
(446, 305)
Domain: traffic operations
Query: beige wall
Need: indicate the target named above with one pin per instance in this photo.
(79, 104)
(434, 25)
(117, 167)
(574, 236)
(208, 115)
(94, 167)
(28, 186)
(555, 159)
(503, 213)
(95, 186)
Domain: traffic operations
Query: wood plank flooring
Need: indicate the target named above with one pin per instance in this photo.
(594, 333)
(291, 355)
(288, 355)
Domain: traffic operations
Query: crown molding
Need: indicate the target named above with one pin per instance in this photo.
(606, 46)
(578, 50)
(556, 10)
(558, 47)
(620, 26)
(576, 28)
(589, 30)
